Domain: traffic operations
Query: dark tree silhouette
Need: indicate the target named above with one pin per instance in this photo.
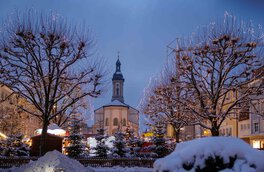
(49, 63)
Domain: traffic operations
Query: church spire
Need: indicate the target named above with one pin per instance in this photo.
(118, 64)
(118, 82)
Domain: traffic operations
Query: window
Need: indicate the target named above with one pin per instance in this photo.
(256, 127)
(117, 89)
(106, 122)
(242, 126)
(248, 126)
(115, 122)
(124, 122)
(230, 131)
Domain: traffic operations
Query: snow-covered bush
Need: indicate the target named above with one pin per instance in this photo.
(13, 146)
(212, 154)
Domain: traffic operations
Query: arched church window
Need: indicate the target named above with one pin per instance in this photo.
(115, 122)
(124, 122)
(106, 122)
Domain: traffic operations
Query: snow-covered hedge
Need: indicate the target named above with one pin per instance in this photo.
(52, 161)
(212, 154)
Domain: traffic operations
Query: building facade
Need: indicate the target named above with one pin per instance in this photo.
(247, 122)
(256, 110)
(12, 119)
(116, 114)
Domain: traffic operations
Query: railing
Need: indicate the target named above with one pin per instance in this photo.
(10, 162)
(123, 162)
(92, 162)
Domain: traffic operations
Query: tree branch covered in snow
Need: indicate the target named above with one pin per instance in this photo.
(219, 61)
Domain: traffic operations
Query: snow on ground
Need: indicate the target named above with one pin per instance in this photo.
(53, 161)
(196, 151)
(123, 169)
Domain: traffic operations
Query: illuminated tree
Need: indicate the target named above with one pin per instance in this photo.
(160, 105)
(49, 63)
(218, 60)
(75, 147)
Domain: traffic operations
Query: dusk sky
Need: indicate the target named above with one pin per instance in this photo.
(139, 29)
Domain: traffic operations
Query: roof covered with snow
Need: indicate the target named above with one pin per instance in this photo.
(116, 103)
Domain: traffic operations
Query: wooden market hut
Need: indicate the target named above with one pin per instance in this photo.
(53, 142)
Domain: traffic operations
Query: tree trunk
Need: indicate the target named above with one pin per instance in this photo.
(177, 135)
(214, 129)
(43, 140)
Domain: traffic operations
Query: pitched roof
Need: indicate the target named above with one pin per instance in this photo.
(116, 103)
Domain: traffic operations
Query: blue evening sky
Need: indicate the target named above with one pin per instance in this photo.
(139, 29)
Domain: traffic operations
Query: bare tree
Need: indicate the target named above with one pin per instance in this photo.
(218, 60)
(49, 63)
(160, 104)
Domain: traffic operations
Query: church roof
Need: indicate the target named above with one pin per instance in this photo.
(116, 103)
(118, 76)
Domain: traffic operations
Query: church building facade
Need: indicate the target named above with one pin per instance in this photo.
(116, 114)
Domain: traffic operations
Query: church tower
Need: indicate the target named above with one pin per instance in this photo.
(118, 83)
(116, 115)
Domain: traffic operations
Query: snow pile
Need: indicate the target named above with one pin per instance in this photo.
(53, 161)
(212, 154)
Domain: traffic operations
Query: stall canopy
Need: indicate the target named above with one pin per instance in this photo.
(53, 129)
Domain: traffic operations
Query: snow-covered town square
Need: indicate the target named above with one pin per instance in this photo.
(131, 86)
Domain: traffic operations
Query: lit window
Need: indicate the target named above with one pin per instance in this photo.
(115, 122)
(256, 144)
(256, 127)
